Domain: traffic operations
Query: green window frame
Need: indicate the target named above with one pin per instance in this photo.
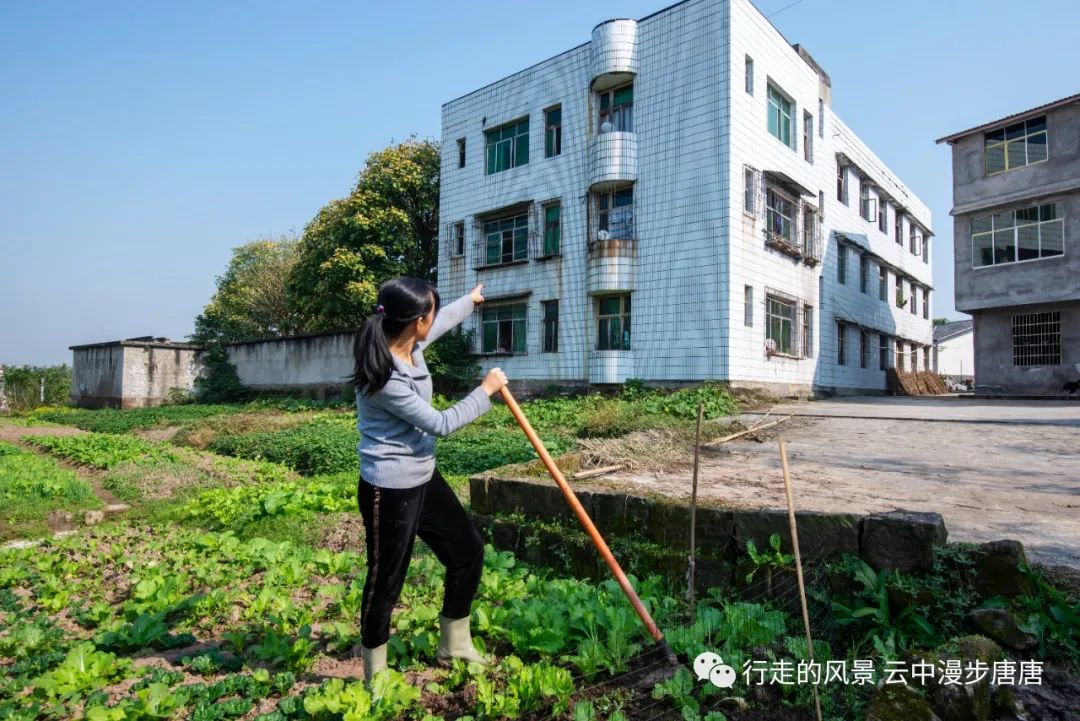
(507, 146)
(613, 323)
(1016, 236)
(780, 323)
(553, 131)
(841, 263)
(780, 212)
(883, 283)
(506, 240)
(503, 328)
(552, 229)
(1015, 146)
(808, 331)
(617, 108)
(780, 111)
(551, 326)
(615, 213)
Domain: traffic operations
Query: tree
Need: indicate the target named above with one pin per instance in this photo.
(250, 301)
(941, 321)
(388, 226)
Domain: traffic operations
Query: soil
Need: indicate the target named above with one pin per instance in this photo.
(988, 482)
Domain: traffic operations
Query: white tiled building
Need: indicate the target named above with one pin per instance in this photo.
(663, 202)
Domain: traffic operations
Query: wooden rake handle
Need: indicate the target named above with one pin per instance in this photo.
(586, 522)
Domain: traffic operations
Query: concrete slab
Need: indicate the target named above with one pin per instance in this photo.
(993, 469)
(940, 408)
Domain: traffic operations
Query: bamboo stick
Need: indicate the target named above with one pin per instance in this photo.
(748, 431)
(798, 567)
(597, 471)
(587, 523)
(693, 507)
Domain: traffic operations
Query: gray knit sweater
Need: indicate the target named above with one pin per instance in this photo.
(397, 424)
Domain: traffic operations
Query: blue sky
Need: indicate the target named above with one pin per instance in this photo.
(140, 142)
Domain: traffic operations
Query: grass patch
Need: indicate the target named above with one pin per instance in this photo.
(110, 420)
(203, 432)
(135, 481)
(31, 487)
(325, 445)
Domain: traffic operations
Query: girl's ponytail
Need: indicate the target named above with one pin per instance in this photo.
(401, 301)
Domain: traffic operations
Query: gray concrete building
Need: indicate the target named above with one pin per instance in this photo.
(132, 373)
(1016, 210)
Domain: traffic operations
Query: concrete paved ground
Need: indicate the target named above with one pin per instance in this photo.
(993, 469)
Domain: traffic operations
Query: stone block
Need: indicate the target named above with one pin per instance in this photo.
(997, 570)
(1000, 625)
(902, 540)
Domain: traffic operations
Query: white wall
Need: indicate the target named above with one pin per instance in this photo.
(956, 355)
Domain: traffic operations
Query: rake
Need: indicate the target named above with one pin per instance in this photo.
(660, 644)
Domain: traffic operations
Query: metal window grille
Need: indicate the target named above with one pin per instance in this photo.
(1036, 339)
(506, 239)
(503, 328)
(808, 331)
(750, 190)
(617, 108)
(551, 326)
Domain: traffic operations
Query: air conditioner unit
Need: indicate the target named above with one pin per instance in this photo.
(606, 127)
(603, 235)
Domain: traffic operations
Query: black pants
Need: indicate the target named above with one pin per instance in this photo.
(392, 520)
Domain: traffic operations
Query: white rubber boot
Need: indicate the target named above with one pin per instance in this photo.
(374, 660)
(455, 641)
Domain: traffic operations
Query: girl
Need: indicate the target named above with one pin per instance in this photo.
(400, 492)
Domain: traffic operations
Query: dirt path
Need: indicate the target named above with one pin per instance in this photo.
(60, 521)
(988, 481)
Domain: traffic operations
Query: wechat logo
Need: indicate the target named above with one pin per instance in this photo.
(710, 666)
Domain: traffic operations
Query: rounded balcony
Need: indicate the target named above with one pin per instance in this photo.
(612, 159)
(614, 53)
(611, 366)
(611, 266)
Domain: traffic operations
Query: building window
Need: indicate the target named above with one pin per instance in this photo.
(1015, 146)
(1017, 235)
(780, 323)
(749, 75)
(821, 204)
(613, 326)
(841, 183)
(616, 109)
(552, 228)
(841, 358)
(459, 238)
(899, 227)
(551, 326)
(1037, 339)
(615, 213)
(506, 240)
(780, 113)
(913, 300)
(926, 357)
(808, 137)
(507, 146)
(808, 331)
(883, 215)
(461, 152)
(883, 351)
(913, 242)
(553, 131)
(866, 203)
(864, 348)
(841, 263)
(821, 117)
(900, 364)
(926, 304)
(883, 283)
(503, 328)
(749, 190)
(748, 305)
(926, 249)
(864, 273)
(780, 212)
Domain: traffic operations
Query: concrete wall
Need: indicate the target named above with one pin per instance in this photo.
(151, 372)
(994, 369)
(321, 361)
(97, 375)
(973, 189)
(130, 374)
(955, 356)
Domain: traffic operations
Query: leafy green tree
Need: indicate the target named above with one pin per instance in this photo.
(388, 226)
(22, 386)
(250, 301)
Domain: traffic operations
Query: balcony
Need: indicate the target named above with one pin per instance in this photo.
(613, 56)
(612, 159)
